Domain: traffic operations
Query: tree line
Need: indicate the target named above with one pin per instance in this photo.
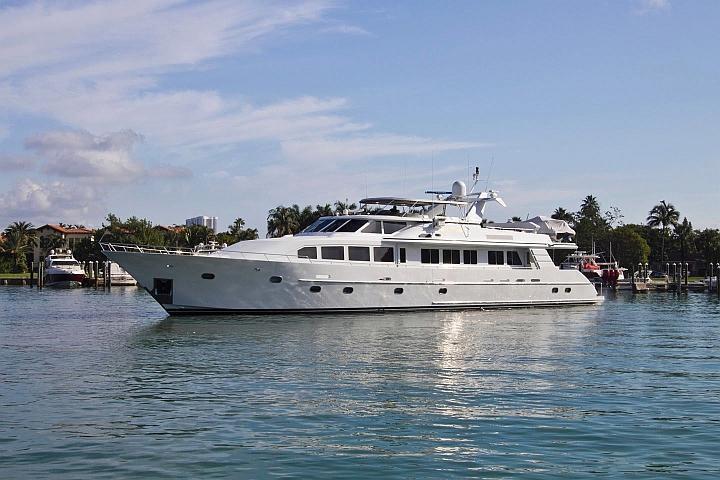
(662, 239)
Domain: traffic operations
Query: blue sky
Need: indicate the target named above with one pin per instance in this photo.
(168, 109)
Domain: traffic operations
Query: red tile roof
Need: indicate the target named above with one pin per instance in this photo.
(71, 229)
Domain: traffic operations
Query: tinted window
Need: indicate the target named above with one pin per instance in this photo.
(496, 257)
(470, 257)
(334, 225)
(383, 254)
(332, 253)
(429, 255)
(318, 225)
(307, 252)
(451, 256)
(403, 256)
(359, 254)
(352, 226)
(392, 227)
(373, 227)
(513, 258)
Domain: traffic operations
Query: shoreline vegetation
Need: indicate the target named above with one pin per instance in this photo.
(663, 240)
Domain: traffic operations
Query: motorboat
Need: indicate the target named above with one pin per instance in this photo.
(390, 254)
(120, 277)
(594, 267)
(61, 270)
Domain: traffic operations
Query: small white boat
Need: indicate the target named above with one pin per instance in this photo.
(62, 270)
(120, 277)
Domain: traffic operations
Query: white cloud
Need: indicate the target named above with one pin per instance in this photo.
(102, 66)
(107, 38)
(649, 6)
(346, 29)
(80, 154)
(368, 146)
(49, 201)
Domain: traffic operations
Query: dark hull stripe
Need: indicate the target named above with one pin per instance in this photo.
(228, 311)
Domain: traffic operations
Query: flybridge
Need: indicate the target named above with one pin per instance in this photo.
(471, 205)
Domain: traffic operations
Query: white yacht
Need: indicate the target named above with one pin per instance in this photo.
(390, 254)
(62, 270)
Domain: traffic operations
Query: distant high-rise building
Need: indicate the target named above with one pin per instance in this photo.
(209, 222)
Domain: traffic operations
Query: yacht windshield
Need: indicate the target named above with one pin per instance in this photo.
(334, 225)
(318, 225)
(352, 226)
(66, 263)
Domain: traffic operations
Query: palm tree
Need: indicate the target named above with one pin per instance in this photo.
(340, 206)
(26, 230)
(51, 242)
(16, 246)
(283, 221)
(684, 232)
(663, 215)
(562, 214)
(590, 207)
(238, 231)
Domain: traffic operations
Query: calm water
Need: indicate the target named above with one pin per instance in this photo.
(104, 385)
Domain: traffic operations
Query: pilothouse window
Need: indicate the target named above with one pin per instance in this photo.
(334, 225)
(392, 227)
(352, 226)
(318, 225)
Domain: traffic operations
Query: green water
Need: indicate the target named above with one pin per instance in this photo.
(104, 385)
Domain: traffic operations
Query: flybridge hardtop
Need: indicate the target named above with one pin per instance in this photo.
(390, 254)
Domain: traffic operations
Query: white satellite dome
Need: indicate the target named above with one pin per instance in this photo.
(459, 189)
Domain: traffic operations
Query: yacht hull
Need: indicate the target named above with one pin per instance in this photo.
(208, 284)
(63, 280)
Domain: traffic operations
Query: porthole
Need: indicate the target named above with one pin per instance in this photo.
(568, 290)
(208, 276)
(398, 291)
(315, 288)
(275, 279)
(534, 279)
(555, 290)
(443, 291)
(347, 290)
(520, 280)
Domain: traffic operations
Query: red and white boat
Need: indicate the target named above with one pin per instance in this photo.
(62, 270)
(592, 266)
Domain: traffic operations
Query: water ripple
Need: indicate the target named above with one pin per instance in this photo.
(105, 385)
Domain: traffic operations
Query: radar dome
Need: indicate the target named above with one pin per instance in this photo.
(459, 189)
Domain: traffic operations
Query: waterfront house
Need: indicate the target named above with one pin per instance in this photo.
(59, 236)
